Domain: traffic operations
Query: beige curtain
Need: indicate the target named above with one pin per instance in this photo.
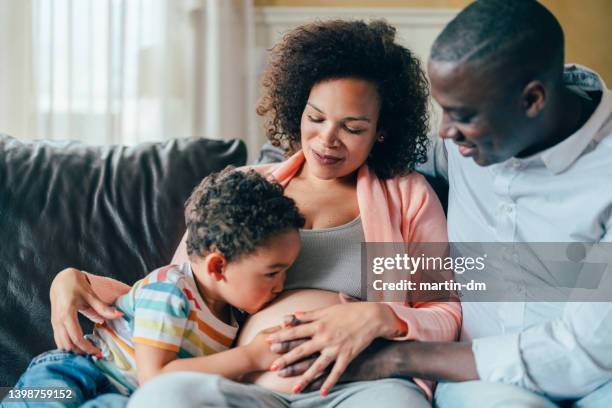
(228, 90)
(125, 71)
(16, 78)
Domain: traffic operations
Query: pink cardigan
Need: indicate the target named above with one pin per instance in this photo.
(402, 209)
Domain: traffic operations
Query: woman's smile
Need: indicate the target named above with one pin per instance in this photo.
(326, 159)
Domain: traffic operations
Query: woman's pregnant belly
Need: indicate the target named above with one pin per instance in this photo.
(287, 303)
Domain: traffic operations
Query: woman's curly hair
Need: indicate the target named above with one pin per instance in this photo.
(234, 212)
(321, 51)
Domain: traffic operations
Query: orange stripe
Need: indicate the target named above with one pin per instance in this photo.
(158, 344)
(121, 343)
(210, 332)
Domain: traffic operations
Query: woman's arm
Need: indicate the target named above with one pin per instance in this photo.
(73, 291)
(425, 232)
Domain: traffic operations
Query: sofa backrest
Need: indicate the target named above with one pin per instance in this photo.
(115, 211)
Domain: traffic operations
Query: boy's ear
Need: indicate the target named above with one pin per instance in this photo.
(214, 265)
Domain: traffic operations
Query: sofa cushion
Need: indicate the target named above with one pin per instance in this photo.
(112, 210)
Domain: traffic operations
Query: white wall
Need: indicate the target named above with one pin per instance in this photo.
(416, 27)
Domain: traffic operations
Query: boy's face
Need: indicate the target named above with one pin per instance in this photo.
(255, 279)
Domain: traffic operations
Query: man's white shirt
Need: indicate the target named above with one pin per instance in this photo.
(562, 194)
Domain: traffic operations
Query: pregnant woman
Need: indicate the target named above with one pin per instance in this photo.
(349, 105)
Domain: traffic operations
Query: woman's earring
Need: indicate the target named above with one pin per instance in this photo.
(381, 138)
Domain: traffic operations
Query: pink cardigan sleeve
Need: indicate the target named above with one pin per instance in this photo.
(425, 222)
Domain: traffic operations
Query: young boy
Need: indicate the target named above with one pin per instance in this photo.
(242, 236)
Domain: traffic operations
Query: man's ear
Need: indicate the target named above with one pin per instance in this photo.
(534, 98)
(214, 265)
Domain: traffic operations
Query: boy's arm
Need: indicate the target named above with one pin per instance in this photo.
(232, 363)
(152, 361)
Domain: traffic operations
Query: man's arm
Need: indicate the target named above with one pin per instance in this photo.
(565, 358)
(450, 361)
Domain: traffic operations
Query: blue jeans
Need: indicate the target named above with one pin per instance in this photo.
(77, 373)
(485, 394)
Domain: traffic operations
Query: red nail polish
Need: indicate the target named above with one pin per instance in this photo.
(297, 388)
(324, 392)
(99, 356)
(269, 340)
(274, 367)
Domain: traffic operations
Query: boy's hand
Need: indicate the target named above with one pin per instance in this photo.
(258, 350)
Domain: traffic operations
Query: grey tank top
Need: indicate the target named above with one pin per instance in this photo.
(330, 259)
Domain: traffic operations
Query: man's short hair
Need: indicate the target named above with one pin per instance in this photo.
(522, 32)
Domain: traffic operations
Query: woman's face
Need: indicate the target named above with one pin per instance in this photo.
(338, 126)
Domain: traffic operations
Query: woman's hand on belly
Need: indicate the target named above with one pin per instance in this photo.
(339, 333)
(286, 304)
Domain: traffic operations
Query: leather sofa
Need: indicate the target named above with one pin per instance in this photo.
(113, 210)
(116, 211)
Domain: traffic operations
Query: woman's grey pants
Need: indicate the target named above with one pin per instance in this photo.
(187, 389)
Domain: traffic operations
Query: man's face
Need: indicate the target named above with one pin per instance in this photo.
(482, 116)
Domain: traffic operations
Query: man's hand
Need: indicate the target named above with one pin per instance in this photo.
(450, 361)
(382, 359)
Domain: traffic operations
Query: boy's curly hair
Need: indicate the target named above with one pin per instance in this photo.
(234, 212)
(321, 51)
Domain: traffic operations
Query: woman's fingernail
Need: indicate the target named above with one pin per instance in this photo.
(324, 392)
(99, 356)
(118, 313)
(274, 367)
(269, 340)
(297, 388)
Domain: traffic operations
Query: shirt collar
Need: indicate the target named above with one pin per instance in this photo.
(562, 155)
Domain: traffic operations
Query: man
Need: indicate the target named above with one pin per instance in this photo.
(527, 149)
(540, 140)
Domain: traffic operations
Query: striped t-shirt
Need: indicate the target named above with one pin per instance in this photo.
(162, 310)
